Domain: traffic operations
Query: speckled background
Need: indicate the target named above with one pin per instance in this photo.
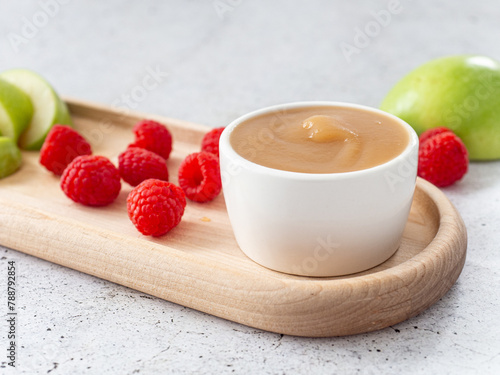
(216, 60)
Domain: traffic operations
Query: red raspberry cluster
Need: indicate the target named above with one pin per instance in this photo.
(154, 205)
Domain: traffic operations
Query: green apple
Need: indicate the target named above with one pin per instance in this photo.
(49, 109)
(10, 157)
(15, 110)
(461, 93)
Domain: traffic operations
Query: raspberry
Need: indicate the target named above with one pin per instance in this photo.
(442, 159)
(210, 142)
(138, 164)
(432, 132)
(91, 180)
(61, 146)
(199, 176)
(153, 136)
(155, 207)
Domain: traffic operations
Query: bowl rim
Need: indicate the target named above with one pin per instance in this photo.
(227, 151)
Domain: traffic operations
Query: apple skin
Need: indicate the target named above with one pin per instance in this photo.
(49, 108)
(17, 108)
(461, 93)
(10, 157)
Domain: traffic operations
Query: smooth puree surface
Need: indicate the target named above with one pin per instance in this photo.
(320, 139)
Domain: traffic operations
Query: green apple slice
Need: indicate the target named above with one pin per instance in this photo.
(49, 109)
(10, 157)
(15, 110)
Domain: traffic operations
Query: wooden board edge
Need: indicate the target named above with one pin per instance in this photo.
(83, 108)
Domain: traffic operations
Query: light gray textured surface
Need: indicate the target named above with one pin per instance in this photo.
(220, 65)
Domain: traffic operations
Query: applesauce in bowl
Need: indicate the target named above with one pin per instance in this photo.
(320, 139)
(318, 188)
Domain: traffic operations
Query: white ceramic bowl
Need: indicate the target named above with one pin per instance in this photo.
(318, 224)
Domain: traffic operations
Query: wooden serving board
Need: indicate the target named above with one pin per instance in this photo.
(199, 265)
